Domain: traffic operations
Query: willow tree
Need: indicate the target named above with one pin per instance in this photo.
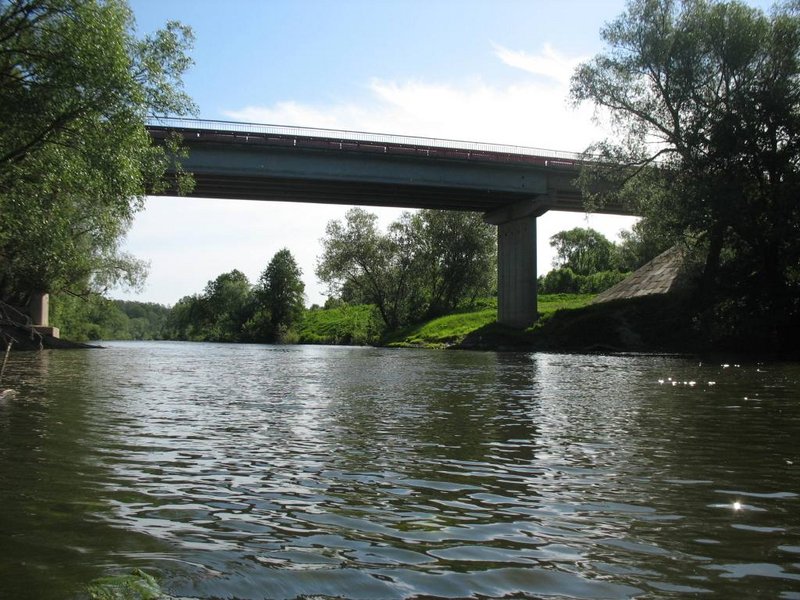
(704, 96)
(76, 87)
(364, 266)
(424, 265)
(583, 250)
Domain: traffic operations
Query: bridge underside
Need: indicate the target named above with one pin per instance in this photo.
(350, 193)
(511, 190)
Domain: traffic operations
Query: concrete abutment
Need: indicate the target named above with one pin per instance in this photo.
(39, 310)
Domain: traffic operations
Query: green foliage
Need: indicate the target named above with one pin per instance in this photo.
(183, 319)
(86, 319)
(587, 262)
(146, 320)
(281, 292)
(218, 314)
(639, 246)
(456, 258)
(559, 281)
(598, 282)
(75, 158)
(583, 250)
(342, 324)
(230, 309)
(97, 318)
(566, 281)
(227, 303)
(453, 329)
(366, 267)
(704, 97)
(425, 264)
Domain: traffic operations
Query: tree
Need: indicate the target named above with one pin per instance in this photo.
(76, 161)
(227, 304)
(586, 262)
(219, 314)
(583, 250)
(458, 256)
(705, 99)
(372, 268)
(426, 264)
(281, 292)
(639, 245)
(186, 319)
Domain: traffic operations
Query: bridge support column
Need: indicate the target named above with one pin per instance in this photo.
(39, 308)
(516, 262)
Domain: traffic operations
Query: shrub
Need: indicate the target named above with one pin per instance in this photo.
(566, 281)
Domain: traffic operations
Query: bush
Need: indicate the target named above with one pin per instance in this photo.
(559, 281)
(566, 281)
(598, 282)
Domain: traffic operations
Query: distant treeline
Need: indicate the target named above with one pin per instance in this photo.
(424, 266)
(97, 318)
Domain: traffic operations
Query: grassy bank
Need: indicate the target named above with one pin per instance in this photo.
(361, 324)
(347, 325)
(567, 322)
(456, 329)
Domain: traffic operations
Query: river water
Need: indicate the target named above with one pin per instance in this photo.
(236, 471)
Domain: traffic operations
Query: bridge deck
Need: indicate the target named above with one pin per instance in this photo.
(245, 161)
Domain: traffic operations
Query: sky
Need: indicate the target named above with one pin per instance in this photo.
(479, 70)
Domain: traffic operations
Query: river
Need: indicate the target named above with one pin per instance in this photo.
(247, 471)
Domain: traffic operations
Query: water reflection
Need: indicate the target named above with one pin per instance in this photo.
(281, 472)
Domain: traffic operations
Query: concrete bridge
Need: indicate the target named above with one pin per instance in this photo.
(510, 185)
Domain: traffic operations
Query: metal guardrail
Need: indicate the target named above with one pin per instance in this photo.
(360, 136)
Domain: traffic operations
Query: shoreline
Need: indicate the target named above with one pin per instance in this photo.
(655, 325)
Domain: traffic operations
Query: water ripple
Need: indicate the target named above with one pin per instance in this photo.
(267, 472)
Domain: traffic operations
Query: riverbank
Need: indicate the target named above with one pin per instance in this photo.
(661, 323)
(567, 322)
(25, 339)
(644, 324)
(664, 323)
(478, 328)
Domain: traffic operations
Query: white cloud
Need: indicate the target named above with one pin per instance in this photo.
(548, 63)
(530, 112)
(533, 111)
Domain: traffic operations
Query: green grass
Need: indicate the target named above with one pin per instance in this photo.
(550, 303)
(358, 325)
(361, 325)
(454, 328)
(443, 331)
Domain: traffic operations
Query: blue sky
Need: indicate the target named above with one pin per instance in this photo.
(481, 70)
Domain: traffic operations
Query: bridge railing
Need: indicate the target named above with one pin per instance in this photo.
(360, 136)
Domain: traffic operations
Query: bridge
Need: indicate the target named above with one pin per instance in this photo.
(510, 185)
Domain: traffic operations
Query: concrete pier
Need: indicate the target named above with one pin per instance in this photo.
(516, 273)
(39, 309)
(516, 261)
